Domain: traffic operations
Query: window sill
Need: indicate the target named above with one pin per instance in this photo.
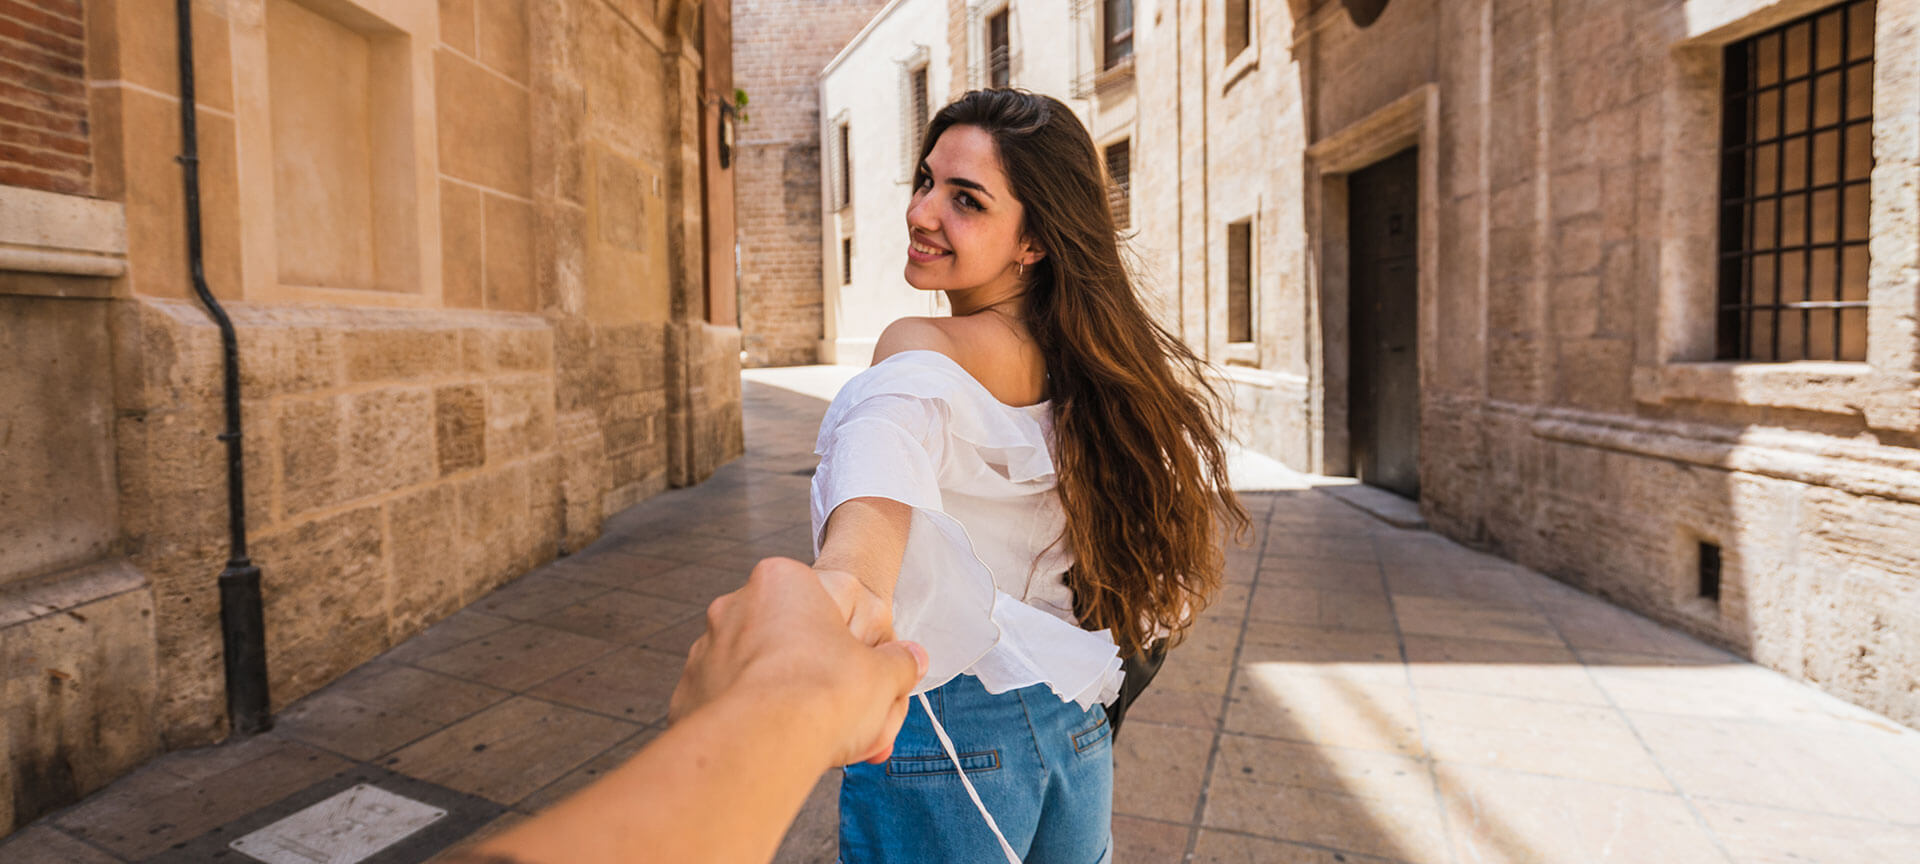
(1113, 76)
(1245, 62)
(1823, 387)
(1243, 354)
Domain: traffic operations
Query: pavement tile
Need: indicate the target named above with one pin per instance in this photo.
(693, 584)
(1500, 817)
(1278, 702)
(583, 776)
(1764, 835)
(1402, 829)
(1502, 668)
(537, 594)
(1188, 675)
(612, 569)
(150, 811)
(1221, 847)
(1358, 773)
(1136, 839)
(631, 683)
(379, 707)
(518, 657)
(1290, 548)
(510, 751)
(1444, 616)
(41, 845)
(1349, 576)
(1590, 624)
(1487, 587)
(452, 631)
(1776, 766)
(1368, 655)
(1158, 771)
(1559, 739)
(1739, 691)
(683, 547)
(622, 616)
(1169, 707)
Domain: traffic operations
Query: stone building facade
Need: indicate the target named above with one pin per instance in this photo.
(478, 254)
(1523, 261)
(780, 47)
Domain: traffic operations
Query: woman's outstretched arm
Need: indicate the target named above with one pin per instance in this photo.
(859, 563)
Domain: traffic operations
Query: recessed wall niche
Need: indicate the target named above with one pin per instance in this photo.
(343, 150)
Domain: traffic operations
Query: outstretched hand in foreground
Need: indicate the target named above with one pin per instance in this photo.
(776, 691)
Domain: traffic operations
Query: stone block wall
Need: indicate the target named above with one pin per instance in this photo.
(441, 388)
(1573, 415)
(780, 48)
(43, 97)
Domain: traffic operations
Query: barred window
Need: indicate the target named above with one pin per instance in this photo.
(999, 56)
(919, 96)
(1239, 26)
(1240, 281)
(1119, 194)
(1794, 176)
(1117, 27)
(846, 165)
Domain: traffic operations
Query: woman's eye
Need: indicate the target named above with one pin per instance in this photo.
(968, 201)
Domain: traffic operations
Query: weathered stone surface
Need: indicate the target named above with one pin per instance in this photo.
(460, 427)
(318, 580)
(519, 417)
(399, 353)
(424, 543)
(80, 688)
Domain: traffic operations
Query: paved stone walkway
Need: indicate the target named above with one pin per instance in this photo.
(1359, 694)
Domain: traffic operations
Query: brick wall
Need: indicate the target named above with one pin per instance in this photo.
(779, 49)
(43, 96)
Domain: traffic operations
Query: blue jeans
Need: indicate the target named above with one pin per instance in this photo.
(1043, 767)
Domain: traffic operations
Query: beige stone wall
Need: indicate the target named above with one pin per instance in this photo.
(1572, 415)
(780, 47)
(471, 302)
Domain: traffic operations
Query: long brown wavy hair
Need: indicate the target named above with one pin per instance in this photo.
(1141, 469)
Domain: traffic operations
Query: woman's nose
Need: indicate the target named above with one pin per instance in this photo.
(920, 214)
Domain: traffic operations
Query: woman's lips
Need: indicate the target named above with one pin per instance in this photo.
(924, 252)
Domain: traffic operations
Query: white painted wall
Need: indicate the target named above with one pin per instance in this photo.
(864, 86)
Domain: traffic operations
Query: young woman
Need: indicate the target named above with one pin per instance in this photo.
(1031, 488)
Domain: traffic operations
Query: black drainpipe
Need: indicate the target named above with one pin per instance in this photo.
(243, 628)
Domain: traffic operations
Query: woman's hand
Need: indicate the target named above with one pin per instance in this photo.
(867, 613)
(778, 643)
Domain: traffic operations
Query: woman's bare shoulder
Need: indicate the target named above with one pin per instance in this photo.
(995, 354)
(987, 349)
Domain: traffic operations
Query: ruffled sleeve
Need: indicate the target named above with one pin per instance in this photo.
(914, 429)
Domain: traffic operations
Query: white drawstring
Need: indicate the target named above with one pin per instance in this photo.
(946, 742)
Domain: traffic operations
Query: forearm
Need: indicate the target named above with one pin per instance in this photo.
(721, 785)
(867, 537)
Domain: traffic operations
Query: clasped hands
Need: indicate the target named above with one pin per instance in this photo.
(816, 643)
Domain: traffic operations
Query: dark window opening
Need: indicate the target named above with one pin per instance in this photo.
(1119, 194)
(846, 260)
(1240, 281)
(1795, 170)
(999, 57)
(1117, 32)
(846, 165)
(919, 108)
(1710, 572)
(1239, 26)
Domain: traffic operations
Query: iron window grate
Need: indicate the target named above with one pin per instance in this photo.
(1119, 193)
(1796, 166)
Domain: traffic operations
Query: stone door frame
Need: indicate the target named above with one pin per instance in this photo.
(1413, 120)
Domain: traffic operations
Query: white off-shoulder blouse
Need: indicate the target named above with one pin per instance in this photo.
(982, 586)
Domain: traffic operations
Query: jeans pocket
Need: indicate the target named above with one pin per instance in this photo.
(1091, 737)
(938, 764)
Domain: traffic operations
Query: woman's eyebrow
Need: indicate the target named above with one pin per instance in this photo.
(959, 181)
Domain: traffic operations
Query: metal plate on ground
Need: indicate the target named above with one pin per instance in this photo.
(346, 828)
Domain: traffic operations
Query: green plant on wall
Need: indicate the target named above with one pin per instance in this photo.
(740, 104)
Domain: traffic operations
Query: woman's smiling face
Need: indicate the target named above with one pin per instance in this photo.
(964, 225)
